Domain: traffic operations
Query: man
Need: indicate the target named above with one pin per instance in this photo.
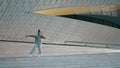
(37, 44)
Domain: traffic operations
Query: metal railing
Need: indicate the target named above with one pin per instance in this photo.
(72, 43)
(91, 44)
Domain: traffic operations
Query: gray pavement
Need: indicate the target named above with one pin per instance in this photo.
(8, 49)
(105, 60)
(15, 55)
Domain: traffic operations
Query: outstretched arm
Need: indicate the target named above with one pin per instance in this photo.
(29, 36)
(43, 37)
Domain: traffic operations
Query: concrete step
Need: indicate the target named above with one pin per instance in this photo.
(105, 60)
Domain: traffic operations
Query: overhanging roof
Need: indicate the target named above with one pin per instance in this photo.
(100, 19)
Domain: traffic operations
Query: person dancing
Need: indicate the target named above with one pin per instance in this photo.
(37, 43)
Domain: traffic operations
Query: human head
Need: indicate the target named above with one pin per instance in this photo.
(39, 32)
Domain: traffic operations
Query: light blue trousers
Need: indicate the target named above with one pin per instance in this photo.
(36, 46)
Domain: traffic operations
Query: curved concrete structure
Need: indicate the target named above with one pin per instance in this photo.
(57, 29)
(16, 20)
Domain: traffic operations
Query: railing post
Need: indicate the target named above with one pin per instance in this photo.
(65, 42)
(85, 44)
(107, 45)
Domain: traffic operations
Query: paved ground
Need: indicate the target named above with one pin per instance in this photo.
(22, 50)
(14, 55)
(107, 60)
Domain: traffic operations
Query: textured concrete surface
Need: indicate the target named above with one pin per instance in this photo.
(17, 20)
(8, 49)
(108, 60)
(15, 55)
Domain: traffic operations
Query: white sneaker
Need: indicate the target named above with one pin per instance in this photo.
(30, 55)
